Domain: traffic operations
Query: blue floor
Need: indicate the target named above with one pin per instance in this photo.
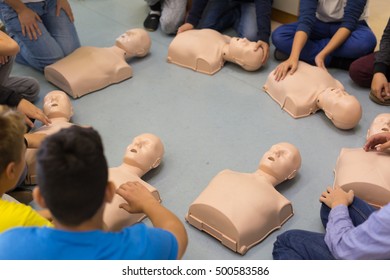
(207, 123)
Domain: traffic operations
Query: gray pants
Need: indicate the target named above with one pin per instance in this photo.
(27, 87)
(172, 14)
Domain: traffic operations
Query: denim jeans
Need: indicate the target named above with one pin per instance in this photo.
(219, 15)
(59, 37)
(361, 42)
(307, 245)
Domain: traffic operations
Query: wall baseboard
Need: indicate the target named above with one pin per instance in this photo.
(282, 17)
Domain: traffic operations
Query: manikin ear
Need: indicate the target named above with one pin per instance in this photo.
(38, 198)
(292, 175)
(156, 163)
(110, 192)
(140, 52)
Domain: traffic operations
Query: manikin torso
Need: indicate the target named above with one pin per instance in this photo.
(89, 69)
(200, 50)
(366, 173)
(297, 94)
(56, 125)
(239, 209)
(114, 217)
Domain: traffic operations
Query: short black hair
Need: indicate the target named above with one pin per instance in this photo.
(72, 174)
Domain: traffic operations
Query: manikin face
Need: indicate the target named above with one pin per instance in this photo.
(281, 161)
(342, 109)
(244, 53)
(136, 42)
(57, 104)
(380, 124)
(145, 152)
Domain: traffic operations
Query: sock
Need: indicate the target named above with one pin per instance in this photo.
(156, 8)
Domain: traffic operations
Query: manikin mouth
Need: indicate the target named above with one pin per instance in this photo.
(271, 158)
(385, 129)
(54, 105)
(133, 150)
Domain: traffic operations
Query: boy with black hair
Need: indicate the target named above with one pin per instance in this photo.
(12, 164)
(73, 183)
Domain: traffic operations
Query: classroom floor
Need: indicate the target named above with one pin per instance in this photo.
(207, 123)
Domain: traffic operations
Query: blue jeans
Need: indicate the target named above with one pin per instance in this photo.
(59, 37)
(361, 42)
(219, 15)
(307, 245)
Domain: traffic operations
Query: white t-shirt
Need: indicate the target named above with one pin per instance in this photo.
(333, 10)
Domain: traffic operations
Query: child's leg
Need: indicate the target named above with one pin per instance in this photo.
(27, 87)
(301, 245)
(219, 15)
(246, 25)
(361, 42)
(359, 211)
(283, 36)
(361, 70)
(172, 15)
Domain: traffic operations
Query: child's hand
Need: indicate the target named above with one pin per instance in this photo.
(137, 196)
(185, 27)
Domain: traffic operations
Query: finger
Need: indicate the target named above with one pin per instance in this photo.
(70, 15)
(293, 69)
(29, 122)
(384, 146)
(125, 206)
(58, 10)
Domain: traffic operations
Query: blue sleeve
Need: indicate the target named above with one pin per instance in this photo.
(352, 12)
(263, 17)
(307, 15)
(369, 240)
(196, 11)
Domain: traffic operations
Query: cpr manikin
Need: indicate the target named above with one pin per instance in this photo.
(366, 173)
(310, 89)
(88, 69)
(142, 155)
(241, 209)
(58, 108)
(207, 50)
(380, 124)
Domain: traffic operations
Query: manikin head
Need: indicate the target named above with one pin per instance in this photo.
(145, 152)
(342, 109)
(135, 42)
(56, 104)
(242, 52)
(281, 162)
(380, 124)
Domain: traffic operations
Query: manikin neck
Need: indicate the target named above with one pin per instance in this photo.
(121, 52)
(226, 53)
(126, 167)
(271, 179)
(58, 120)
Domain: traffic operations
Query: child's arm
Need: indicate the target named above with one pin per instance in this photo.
(140, 200)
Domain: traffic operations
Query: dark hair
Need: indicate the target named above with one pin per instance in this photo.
(12, 129)
(72, 174)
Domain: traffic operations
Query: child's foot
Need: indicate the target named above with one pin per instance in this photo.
(152, 20)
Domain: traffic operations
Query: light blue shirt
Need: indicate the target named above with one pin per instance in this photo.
(369, 240)
(137, 242)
